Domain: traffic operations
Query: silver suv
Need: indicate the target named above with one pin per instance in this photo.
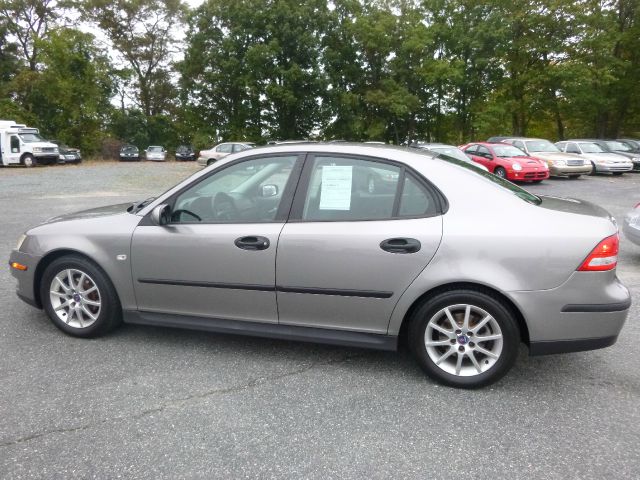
(298, 242)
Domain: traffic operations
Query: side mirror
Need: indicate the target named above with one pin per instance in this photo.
(269, 191)
(161, 214)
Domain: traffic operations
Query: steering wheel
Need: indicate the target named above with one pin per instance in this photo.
(224, 207)
(188, 212)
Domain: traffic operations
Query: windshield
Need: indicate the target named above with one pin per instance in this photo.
(618, 146)
(505, 151)
(154, 149)
(31, 137)
(452, 152)
(591, 148)
(516, 190)
(541, 146)
(183, 148)
(129, 148)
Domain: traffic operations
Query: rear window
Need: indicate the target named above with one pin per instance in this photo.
(506, 184)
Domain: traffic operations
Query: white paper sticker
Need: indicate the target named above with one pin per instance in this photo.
(336, 187)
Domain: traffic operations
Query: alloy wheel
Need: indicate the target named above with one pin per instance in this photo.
(463, 340)
(75, 298)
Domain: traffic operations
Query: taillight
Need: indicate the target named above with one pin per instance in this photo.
(637, 206)
(603, 257)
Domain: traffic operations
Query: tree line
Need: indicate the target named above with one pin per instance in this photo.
(88, 72)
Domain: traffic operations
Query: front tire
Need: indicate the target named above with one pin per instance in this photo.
(500, 172)
(464, 338)
(79, 298)
(29, 161)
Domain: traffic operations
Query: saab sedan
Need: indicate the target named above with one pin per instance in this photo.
(286, 242)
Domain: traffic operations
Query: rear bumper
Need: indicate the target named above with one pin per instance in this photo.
(586, 312)
(567, 346)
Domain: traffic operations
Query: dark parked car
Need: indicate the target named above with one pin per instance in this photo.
(129, 152)
(67, 154)
(185, 152)
(634, 145)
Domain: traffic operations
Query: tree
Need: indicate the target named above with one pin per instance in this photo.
(142, 31)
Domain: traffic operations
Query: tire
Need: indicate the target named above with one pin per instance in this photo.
(28, 161)
(593, 169)
(87, 320)
(500, 172)
(486, 369)
(210, 161)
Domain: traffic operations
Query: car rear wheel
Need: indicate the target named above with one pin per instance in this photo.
(464, 338)
(79, 298)
(500, 172)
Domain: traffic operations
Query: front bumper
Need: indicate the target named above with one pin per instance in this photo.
(25, 288)
(569, 170)
(528, 175)
(611, 168)
(44, 158)
(586, 312)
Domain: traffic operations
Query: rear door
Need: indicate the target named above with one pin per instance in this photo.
(360, 231)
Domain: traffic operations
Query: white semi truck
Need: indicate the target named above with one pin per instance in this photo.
(22, 145)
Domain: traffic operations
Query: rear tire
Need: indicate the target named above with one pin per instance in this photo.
(456, 356)
(79, 298)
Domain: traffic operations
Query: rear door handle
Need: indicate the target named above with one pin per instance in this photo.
(400, 245)
(252, 242)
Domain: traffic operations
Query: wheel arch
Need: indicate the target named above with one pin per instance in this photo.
(49, 258)
(522, 324)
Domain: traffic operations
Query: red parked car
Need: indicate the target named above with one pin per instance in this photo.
(507, 161)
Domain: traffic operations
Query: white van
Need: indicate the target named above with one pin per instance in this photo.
(22, 145)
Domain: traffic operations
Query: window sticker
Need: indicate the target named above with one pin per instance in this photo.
(336, 187)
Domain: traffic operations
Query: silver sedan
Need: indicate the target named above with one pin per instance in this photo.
(631, 225)
(291, 242)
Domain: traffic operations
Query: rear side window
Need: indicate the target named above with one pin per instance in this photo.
(350, 189)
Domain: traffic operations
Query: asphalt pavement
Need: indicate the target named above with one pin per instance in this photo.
(161, 403)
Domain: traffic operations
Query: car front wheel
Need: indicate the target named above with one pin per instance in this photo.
(464, 338)
(79, 298)
(500, 172)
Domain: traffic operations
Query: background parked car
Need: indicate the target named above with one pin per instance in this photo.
(620, 148)
(67, 154)
(449, 150)
(185, 152)
(601, 160)
(207, 157)
(631, 225)
(130, 153)
(507, 161)
(634, 145)
(560, 164)
(156, 153)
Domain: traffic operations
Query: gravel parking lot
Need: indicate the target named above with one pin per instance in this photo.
(158, 403)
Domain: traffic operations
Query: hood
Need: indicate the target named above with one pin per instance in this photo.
(612, 157)
(92, 213)
(629, 155)
(524, 161)
(555, 156)
(574, 205)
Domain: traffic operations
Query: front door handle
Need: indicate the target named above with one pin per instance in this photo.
(252, 242)
(400, 245)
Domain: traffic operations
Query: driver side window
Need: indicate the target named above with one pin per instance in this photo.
(245, 192)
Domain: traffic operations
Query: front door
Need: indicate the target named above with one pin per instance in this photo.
(361, 230)
(216, 257)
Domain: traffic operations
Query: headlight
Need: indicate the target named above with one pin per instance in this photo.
(37, 149)
(635, 159)
(517, 167)
(21, 240)
(559, 162)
